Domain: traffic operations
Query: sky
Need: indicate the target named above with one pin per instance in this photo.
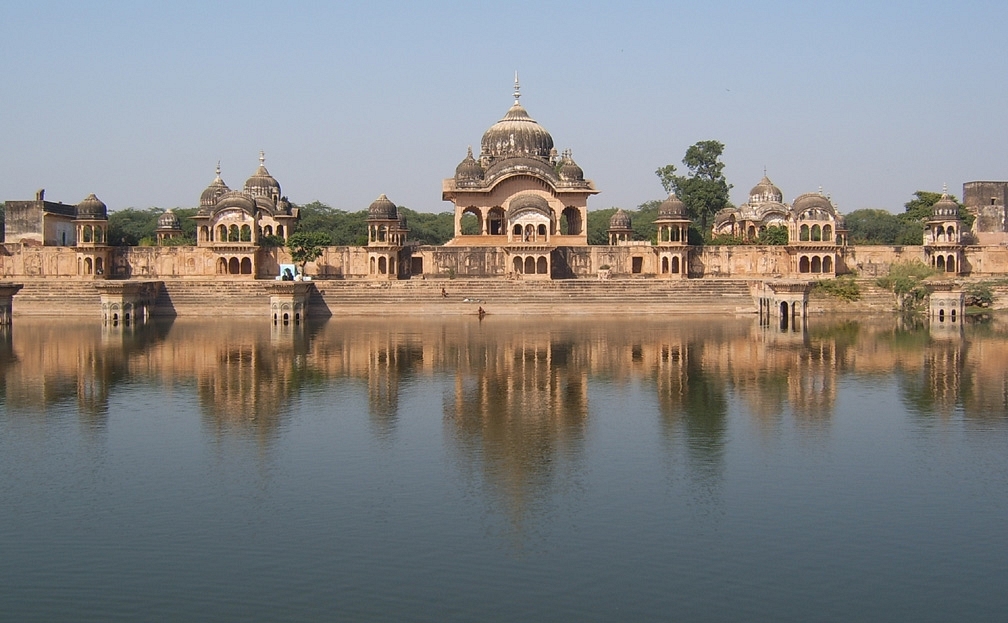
(138, 101)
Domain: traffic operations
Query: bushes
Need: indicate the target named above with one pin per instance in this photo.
(843, 288)
(906, 281)
(979, 295)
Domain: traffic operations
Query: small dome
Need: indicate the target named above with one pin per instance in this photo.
(213, 192)
(569, 170)
(168, 220)
(944, 208)
(813, 202)
(672, 208)
(517, 134)
(92, 208)
(468, 170)
(235, 199)
(765, 191)
(261, 183)
(528, 202)
(382, 209)
(620, 220)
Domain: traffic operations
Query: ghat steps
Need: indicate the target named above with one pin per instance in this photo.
(499, 296)
(250, 298)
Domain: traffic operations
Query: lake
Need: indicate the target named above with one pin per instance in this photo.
(581, 469)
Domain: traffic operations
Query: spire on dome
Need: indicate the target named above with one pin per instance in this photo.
(517, 91)
(262, 158)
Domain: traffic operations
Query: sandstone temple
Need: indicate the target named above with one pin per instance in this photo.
(529, 201)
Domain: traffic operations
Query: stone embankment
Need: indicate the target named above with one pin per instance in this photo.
(251, 298)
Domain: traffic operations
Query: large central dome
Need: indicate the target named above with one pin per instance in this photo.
(517, 134)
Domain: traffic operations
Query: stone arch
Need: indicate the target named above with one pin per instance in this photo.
(87, 266)
(950, 265)
(664, 265)
(675, 265)
(222, 266)
(530, 265)
(246, 233)
(940, 262)
(816, 264)
(246, 266)
(495, 221)
(803, 264)
(827, 264)
(573, 218)
(518, 265)
(382, 266)
(803, 233)
(234, 266)
(827, 233)
(465, 224)
(542, 267)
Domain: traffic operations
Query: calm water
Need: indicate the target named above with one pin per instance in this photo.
(504, 470)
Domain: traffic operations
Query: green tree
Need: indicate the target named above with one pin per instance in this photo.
(773, 235)
(705, 189)
(598, 225)
(918, 209)
(429, 229)
(128, 227)
(869, 226)
(307, 246)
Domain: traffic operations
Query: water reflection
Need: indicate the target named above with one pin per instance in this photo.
(516, 403)
(517, 409)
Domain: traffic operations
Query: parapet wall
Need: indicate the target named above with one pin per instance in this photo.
(350, 262)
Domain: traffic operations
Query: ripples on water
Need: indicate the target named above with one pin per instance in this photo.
(503, 470)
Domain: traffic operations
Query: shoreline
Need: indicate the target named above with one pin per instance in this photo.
(184, 297)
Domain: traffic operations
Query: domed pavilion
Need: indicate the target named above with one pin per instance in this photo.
(524, 196)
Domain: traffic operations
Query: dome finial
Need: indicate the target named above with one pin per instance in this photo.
(517, 91)
(262, 157)
(218, 168)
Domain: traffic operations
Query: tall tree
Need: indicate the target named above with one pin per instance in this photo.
(918, 209)
(705, 189)
(307, 246)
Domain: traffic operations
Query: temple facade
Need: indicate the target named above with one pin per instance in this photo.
(520, 212)
(525, 198)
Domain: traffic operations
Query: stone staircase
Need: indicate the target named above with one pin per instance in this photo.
(529, 297)
(57, 297)
(251, 298)
(213, 297)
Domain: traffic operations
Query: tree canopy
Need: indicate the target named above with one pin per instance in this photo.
(307, 246)
(705, 190)
(872, 226)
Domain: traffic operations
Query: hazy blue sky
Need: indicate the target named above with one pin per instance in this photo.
(137, 101)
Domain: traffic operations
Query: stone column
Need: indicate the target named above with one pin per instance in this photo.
(946, 303)
(288, 302)
(7, 292)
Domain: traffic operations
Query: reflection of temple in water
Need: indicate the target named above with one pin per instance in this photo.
(46, 362)
(243, 379)
(518, 409)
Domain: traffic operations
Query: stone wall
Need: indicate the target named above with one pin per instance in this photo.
(635, 260)
(741, 261)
